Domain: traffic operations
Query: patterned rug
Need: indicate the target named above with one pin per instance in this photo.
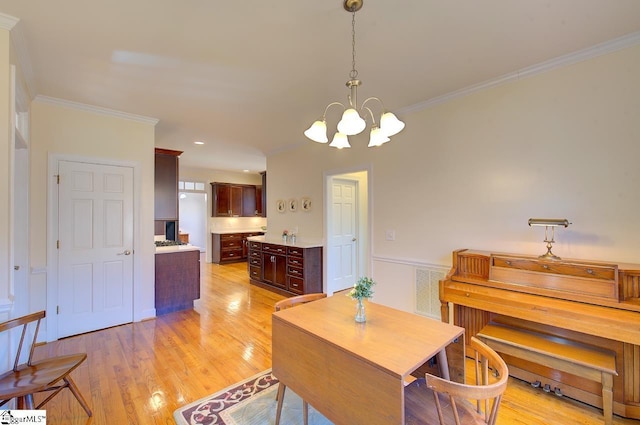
(250, 402)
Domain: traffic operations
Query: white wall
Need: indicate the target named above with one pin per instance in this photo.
(469, 173)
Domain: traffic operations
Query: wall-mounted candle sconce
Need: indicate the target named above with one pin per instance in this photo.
(553, 223)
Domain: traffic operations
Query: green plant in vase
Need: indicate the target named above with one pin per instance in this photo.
(362, 289)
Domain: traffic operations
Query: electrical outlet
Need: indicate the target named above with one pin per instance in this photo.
(390, 235)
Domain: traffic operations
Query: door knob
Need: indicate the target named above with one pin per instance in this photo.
(16, 267)
(125, 252)
(353, 240)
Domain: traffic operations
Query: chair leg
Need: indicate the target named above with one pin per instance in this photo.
(25, 402)
(77, 394)
(280, 398)
(305, 412)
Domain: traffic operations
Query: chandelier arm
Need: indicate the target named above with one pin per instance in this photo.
(374, 98)
(324, 116)
(373, 120)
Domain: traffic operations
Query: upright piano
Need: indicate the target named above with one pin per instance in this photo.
(592, 302)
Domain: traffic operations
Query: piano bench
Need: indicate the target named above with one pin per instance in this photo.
(568, 356)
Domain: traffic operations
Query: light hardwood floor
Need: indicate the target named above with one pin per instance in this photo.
(141, 372)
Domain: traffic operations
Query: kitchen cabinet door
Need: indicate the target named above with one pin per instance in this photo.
(274, 269)
(227, 200)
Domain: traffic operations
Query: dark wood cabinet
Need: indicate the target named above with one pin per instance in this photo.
(177, 280)
(235, 200)
(229, 247)
(288, 270)
(263, 195)
(166, 192)
(227, 200)
(274, 269)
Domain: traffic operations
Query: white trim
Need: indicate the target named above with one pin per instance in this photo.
(561, 61)
(95, 109)
(407, 262)
(7, 22)
(52, 237)
(5, 305)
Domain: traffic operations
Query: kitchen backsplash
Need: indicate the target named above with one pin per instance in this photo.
(240, 223)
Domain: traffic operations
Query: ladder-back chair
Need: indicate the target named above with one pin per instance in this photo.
(36, 376)
(434, 399)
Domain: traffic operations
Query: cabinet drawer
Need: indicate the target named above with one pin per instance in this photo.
(276, 249)
(589, 271)
(295, 251)
(294, 271)
(255, 261)
(232, 243)
(255, 272)
(255, 254)
(230, 236)
(255, 245)
(231, 254)
(295, 284)
(295, 261)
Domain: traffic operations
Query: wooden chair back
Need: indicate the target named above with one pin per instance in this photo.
(299, 299)
(50, 375)
(449, 402)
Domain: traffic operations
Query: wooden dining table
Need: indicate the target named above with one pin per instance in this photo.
(355, 373)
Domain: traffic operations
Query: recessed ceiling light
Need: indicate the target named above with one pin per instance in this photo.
(246, 171)
(199, 142)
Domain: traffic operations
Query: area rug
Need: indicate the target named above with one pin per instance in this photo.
(249, 402)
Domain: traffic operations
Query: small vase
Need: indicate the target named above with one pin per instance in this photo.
(361, 317)
(284, 239)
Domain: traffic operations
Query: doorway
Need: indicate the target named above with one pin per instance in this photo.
(347, 228)
(193, 217)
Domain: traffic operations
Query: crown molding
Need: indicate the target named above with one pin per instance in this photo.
(559, 62)
(95, 109)
(7, 22)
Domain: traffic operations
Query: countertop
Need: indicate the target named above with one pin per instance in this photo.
(300, 243)
(228, 231)
(176, 248)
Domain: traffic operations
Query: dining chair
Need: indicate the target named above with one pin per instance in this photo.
(434, 399)
(283, 305)
(36, 376)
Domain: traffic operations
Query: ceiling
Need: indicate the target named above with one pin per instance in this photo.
(248, 77)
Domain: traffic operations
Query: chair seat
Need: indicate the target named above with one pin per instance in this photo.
(39, 376)
(420, 407)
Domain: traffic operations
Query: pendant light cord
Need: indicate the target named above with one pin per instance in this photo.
(354, 73)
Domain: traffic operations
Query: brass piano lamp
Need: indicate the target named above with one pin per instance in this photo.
(553, 223)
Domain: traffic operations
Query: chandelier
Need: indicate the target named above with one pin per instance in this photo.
(352, 121)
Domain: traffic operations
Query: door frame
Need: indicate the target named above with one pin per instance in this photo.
(365, 223)
(52, 231)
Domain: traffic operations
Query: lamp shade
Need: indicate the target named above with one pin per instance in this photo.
(377, 137)
(340, 141)
(390, 124)
(351, 123)
(317, 132)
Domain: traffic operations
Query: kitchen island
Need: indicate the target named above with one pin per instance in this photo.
(177, 277)
(292, 268)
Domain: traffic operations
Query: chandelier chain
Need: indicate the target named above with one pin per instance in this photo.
(354, 73)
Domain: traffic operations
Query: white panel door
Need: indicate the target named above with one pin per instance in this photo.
(343, 234)
(95, 254)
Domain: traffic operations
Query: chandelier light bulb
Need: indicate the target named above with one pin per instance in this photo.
(390, 124)
(340, 141)
(317, 132)
(351, 123)
(377, 137)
